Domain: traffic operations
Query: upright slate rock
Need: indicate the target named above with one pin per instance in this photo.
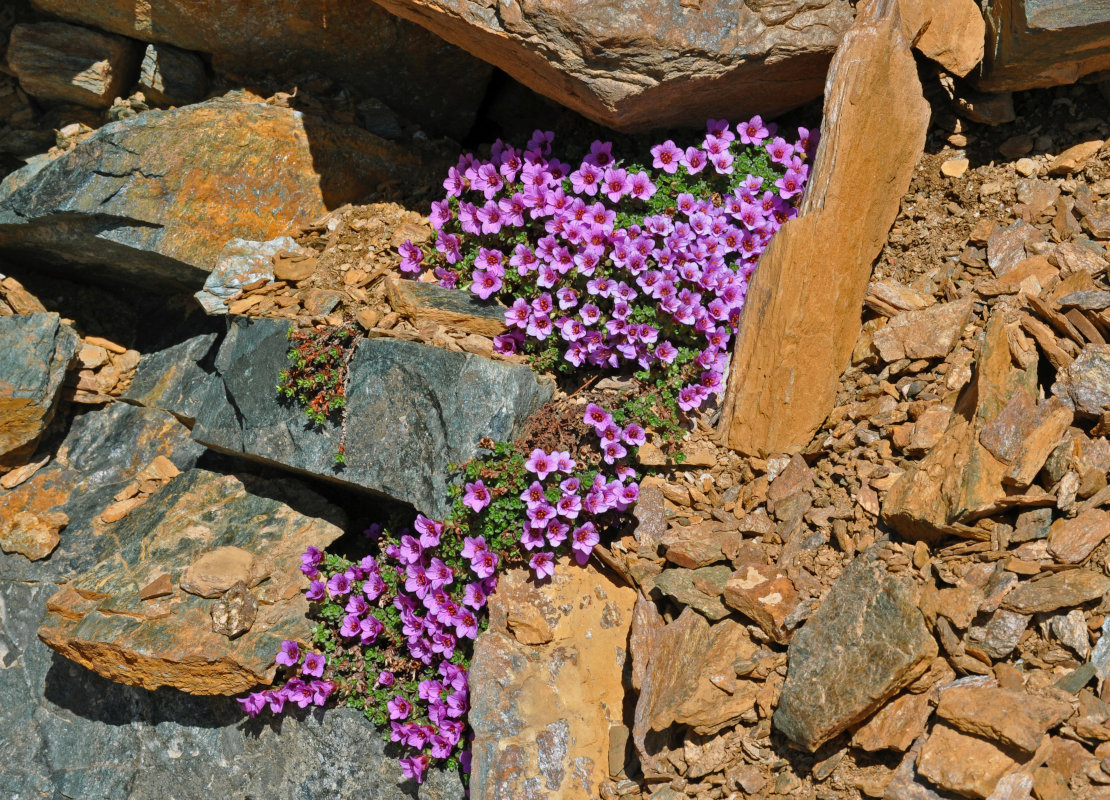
(35, 351)
(173, 379)
(152, 200)
(866, 642)
(411, 410)
(172, 77)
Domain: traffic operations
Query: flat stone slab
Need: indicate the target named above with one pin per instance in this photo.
(411, 410)
(101, 621)
(35, 351)
(173, 379)
(151, 200)
(865, 643)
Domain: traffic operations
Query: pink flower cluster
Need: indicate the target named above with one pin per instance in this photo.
(584, 277)
(297, 690)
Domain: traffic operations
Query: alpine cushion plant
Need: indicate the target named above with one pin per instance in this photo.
(603, 266)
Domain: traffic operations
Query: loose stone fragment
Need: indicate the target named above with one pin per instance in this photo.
(923, 333)
(701, 544)
(1086, 383)
(169, 76)
(896, 725)
(215, 572)
(870, 634)
(1072, 540)
(1058, 590)
(966, 765)
(1001, 634)
(1074, 158)
(765, 595)
(679, 585)
(234, 613)
(32, 534)
(1016, 719)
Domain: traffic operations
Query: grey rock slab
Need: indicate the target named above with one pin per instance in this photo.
(411, 410)
(1058, 590)
(78, 735)
(1086, 381)
(866, 642)
(35, 352)
(103, 451)
(173, 379)
(678, 584)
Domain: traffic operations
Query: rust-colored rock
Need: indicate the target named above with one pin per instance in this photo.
(923, 333)
(33, 534)
(541, 715)
(896, 725)
(1072, 540)
(802, 316)
(100, 620)
(179, 184)
(951, 32)
(765, 595)
(35, 352)
(966, 765)
(215, 572)
(662, 64)
(1011, 718)
(60, 62)
(412, 71)
(1033, 44)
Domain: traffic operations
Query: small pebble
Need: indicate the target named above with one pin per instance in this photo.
(1026, 167)
(955, 167)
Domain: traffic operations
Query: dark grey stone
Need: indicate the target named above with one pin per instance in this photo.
(172, 77)
(411, 410)
(69, 733)
(102, 452)
(866, 642)
(35, 352)
(173, 379)
(678, 584)
(1089, 300)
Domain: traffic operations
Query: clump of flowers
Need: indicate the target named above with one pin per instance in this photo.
(603, 266)
(611, 265)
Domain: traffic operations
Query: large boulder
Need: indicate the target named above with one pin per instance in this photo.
(652, 65)
(153, 199)
(546, 685)
(124, 620)
(1033, 44)
(410, 411)
(413, 71)
(35, 352)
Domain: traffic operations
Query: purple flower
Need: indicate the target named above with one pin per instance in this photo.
(411, 257)
(543, 564)
(298, 691)
(484, 564)
(601, 154)
(597, 416)
(385, 678)
(430, 531)
(613, 451)
(694, 160)
(253, 703)
(540, 463)
(350, 626)
(373, 587)
(289, 654)
(485, 283)
(313, 665)
(615, 184)
(369, 629)
(557, 532)
(414, 767)
(753, 131)
(666, 157)
(339, 585)
(473, 545)
(633, 434)
(321, 691)
(583, 539)
(315, 591)
(789, 184)
(474, 596)
(276, 700)
(467, 625)
(477, 496)
(585, 180)
(569, 505)
(399, 707)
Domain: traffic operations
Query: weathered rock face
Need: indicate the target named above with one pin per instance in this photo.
(173, 379)
(658, 64)
(80, 735)
(172, 77)
(186, 531)
(870, 634)
(103, 451)
(56, 61)
(541, 714)
(35, 352)
(154, 198)
(1032, 44)
(414, 72)
(411, 410)
(802, 314)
